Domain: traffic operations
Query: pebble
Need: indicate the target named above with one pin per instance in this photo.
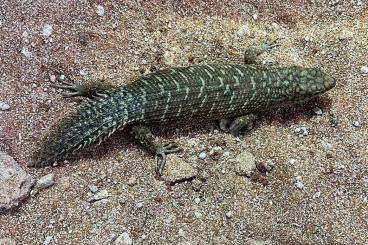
(47, 30)
(124, 239)
(168, 58)
(364, 70)
(265, 166)
(317, 111)
(245, 164)
(15, 183)
(229, 214)
(100, 10)
(139, 205)
(132, 181)
(292, 161)
(93, 188)
(317, 195)
(197, 200)
(181, 232)
(47, 240)
(26, 53)
(197, 214)
(356, 124)
(299, 182)
(103, 194)
(301, 131)
(4, 106)
(243, 30)
(45, 182)
(52, 78)
(177, 169)
(83, 72)
(255, 16)
(202, 155)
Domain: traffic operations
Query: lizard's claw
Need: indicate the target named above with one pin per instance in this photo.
(269, 44)
(72, 89)
(162, 152)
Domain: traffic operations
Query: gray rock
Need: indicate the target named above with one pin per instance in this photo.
(7, 241)
(103, 194)
(15, 183)
(177, 169)
(43, 183)
(202, 155)
(245, 164)
(124, 239)
(4, 106)
(47, 240)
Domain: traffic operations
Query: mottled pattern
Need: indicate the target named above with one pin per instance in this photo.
(205, 92)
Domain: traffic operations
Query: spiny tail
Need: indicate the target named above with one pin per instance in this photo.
(93, 122)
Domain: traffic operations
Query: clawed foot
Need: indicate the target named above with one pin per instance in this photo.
(161, 154)
(268, 45)
(73, 89)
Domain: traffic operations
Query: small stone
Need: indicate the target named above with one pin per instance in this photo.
(168, 58)
(202, 155)
(93, 188)
(100, 10)
(52, 78)
(255, 16)
(62, 77)
(301, 131)
(4, 106)
(47, 30)
(47, 240)
(177, 169)
(197, 200)
(307, 38)
(139, 205)
(356, 124)
(83, 72)
(299, 185)
(317, 195)
(364, 69)
(132, 181)
(45, 182)
(292, 161)
(317, 111)
(103, 194)
(244, 164)
(26, 53)
(265, 166)
(124, 239)
(83, 38)
(7, 241)
(181, 232)
(243, 30)
(197, 214)
(15, 183)
(229, 214)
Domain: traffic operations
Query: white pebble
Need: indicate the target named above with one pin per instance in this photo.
(93, 188)
(317, 194)
(292, 161)
(229, 214)
(299, 185)
(83, 72)
(100, 10)
(52, 78)
(4, 106)
(202, 155)
(317, 111)
(139, 205)
(243, 30)
(181, 232)
(45, 182)
(356, 124)
(47, 30)
(364, 69)
(197, 200)
(47, 240)
(124, 239)
(255, 16)
(26, 53)
(197, 214)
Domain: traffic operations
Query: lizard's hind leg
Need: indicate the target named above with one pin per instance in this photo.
(238, 124)
(90, 90)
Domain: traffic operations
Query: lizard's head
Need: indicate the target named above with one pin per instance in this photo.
(309, 82)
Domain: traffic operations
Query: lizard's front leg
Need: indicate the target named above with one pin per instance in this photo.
(251, 54)
(160, 149)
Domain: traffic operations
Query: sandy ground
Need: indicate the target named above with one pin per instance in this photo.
(217, 207)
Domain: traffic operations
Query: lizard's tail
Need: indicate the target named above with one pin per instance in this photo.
(94, 122)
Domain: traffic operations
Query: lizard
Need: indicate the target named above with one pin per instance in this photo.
(232, 93)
